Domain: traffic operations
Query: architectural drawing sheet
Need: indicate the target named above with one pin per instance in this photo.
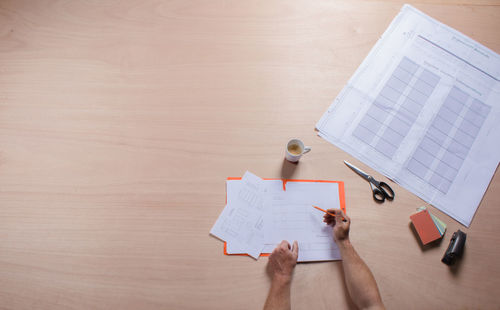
(292, 217)
(233, 188)
(424, 109)
(242, 222)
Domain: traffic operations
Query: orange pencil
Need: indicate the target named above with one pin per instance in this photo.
(316, 207)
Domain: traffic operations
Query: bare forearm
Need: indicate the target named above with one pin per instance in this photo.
(359, 280)
(279, 294)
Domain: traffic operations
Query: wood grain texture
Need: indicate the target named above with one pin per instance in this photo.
(120, 120)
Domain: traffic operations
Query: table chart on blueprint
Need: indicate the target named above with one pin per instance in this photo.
(441, 152)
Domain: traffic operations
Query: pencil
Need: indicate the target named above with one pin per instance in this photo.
(316, 207)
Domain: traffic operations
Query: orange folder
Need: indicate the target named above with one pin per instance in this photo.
(341, 200)
(425, 227)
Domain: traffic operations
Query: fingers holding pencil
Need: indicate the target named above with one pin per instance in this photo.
(328, 218)
(334, 216)
(339, 221)
(341, 225)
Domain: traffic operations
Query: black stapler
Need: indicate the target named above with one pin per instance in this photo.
(456, 248)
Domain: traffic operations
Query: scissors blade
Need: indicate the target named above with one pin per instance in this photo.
(361, 173)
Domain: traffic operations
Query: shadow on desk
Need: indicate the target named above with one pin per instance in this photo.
(288, 169)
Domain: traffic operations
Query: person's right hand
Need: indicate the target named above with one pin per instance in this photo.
(340, 223)
(282, 261)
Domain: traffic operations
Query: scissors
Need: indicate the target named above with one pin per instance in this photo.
(381, 191)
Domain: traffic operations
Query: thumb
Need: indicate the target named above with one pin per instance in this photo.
(295, 248)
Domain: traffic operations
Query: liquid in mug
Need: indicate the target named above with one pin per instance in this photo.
(295, 149)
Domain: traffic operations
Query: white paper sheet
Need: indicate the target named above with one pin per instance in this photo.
(292, 217)
(424, 109)
(242, 222)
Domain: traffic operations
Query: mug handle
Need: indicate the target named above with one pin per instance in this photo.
(307, 149)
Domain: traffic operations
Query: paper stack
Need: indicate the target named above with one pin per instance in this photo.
(259, 214)
(242, 222)
(429, 228)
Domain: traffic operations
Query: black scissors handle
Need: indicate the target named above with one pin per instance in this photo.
(382, 191)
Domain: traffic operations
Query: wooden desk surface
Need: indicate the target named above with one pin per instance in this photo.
(120, 120)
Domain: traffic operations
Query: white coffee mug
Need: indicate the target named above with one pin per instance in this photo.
(295, 149)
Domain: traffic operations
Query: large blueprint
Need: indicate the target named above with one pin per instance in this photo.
(423, 109)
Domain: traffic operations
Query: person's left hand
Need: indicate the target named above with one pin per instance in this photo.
(282, 261)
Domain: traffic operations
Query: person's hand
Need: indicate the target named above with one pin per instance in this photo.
(282, 261)
(340, 223)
